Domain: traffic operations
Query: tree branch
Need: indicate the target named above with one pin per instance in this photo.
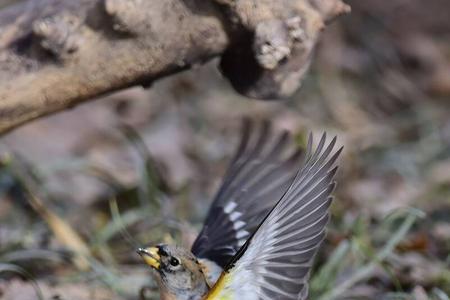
(55, 54)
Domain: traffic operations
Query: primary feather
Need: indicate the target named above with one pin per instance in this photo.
(258, 175)
(276, 260)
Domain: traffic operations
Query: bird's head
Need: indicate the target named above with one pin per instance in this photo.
(177, 270)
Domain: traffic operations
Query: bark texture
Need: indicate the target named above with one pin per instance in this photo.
(55, 54)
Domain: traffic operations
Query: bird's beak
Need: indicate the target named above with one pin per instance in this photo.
(150, 256)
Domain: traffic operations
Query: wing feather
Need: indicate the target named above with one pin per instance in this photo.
(259, 173)
(276, 260)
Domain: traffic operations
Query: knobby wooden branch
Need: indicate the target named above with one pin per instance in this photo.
(55, 54)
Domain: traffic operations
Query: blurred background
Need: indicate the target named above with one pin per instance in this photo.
(80, 188)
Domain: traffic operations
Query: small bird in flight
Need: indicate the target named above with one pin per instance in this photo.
(264, 226)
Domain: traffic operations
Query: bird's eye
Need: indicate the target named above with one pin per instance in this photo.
(174, 262)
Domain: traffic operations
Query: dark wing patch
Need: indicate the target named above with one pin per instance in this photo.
(257, 176)
(278, 257)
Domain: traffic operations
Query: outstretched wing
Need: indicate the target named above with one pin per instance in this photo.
(259, 173)
(276, 260)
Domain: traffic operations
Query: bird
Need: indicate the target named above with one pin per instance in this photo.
(264, 227)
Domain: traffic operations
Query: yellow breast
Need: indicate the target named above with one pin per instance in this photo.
(218, 291)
